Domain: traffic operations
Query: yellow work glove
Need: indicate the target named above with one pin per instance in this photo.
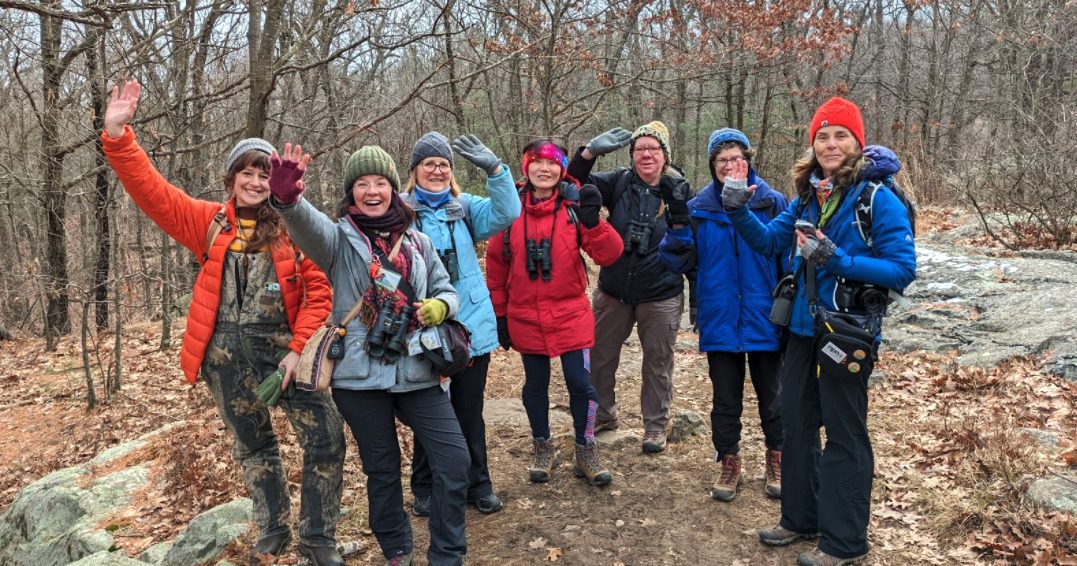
(433, 312)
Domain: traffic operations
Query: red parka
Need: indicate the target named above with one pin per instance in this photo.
(304, 288)
(548, 317)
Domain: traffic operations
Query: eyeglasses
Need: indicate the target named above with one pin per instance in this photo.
(651, 150)
(431, 166)
(724, 162)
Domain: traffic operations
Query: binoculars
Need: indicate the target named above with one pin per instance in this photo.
(388, 338)
(637, 237)
(539, 261)
(451, 262)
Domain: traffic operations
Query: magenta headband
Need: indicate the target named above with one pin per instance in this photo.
(545, 151)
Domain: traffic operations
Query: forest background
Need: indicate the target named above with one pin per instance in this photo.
(977, 97)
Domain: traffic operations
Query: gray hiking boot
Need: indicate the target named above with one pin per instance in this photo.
(544, 460)
(781, 536)
(654, 441)
(816, 557)
(588, 466)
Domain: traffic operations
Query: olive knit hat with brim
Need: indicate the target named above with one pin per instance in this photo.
(370, 160)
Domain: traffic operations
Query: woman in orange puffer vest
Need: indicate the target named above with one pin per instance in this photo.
(256, 301)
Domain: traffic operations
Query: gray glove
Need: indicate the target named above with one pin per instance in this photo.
(472, 149)
(610, 141)
(818, 251)
(735, 193)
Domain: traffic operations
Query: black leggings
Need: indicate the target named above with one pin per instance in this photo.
(576, 366)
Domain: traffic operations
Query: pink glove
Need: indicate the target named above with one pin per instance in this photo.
(285, 178)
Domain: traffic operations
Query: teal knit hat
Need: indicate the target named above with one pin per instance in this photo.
(370, 160)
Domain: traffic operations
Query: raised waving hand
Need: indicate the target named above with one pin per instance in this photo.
(121, 107)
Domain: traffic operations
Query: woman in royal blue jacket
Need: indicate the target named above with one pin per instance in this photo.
(827, 492)
(456, 222)
(733, 290)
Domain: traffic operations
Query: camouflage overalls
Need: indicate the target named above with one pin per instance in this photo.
(251, 332)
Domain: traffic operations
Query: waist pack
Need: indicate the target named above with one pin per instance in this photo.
(447, 347)
(844, 344)
(314, 371)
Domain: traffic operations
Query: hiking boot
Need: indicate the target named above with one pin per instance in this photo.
(772, 478)
(654, 441)
(487, 504)
(543, 461)
(611, 424)
(725, 489)
(588, 466)
(421, 506)
(400, 560)
(816, 557)
(321, 555)
(781, 536)
(270, 547)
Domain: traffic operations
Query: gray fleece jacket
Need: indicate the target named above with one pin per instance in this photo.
(344, 254)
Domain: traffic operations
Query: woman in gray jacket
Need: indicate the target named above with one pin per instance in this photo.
(374, 258)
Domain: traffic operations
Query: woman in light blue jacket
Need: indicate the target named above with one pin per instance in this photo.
(374, 257)
(456, 222)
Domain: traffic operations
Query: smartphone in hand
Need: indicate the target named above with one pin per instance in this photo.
(806, 228)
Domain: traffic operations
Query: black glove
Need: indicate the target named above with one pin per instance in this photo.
(590, 205)
(503, 333)
(675, 195)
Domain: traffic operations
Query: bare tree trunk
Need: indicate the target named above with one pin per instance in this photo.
(166, 292)
(261, 40)
(102, 198)
(91, 395)
(57, 320)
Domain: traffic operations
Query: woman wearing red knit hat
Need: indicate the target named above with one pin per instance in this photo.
(843, 276)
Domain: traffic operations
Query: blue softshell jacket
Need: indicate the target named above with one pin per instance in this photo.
(488, 216)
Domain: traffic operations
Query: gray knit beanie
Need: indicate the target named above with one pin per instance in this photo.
(249, 144)
(432, 144)
(370, 160)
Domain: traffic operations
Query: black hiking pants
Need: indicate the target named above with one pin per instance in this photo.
(825, 490)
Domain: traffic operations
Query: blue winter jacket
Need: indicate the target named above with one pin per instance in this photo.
(892, 265)
(733, 283)
(488, 216)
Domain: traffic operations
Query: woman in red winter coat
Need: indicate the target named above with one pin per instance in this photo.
(538, 285)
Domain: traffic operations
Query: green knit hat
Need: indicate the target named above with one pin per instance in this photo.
(370, 160)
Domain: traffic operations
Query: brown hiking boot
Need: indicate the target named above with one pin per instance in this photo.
(654, 441)
(725, 489)
(816, 557)
(773, 476)
(544, 460)
(587, 465)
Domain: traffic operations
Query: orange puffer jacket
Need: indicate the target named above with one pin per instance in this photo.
(307, 296)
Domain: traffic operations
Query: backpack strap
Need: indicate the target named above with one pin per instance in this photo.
(465, 203)
(216, 226)
(863, 211)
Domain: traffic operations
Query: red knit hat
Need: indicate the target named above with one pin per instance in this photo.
(838, 112)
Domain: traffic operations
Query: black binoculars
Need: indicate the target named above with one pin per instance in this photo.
(388, 338)
(539, 261)
(451, 263)
(638, 237)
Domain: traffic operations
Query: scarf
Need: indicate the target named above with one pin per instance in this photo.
(431, 198)
(828, 197)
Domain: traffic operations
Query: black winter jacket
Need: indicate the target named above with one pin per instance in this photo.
(639, 276)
